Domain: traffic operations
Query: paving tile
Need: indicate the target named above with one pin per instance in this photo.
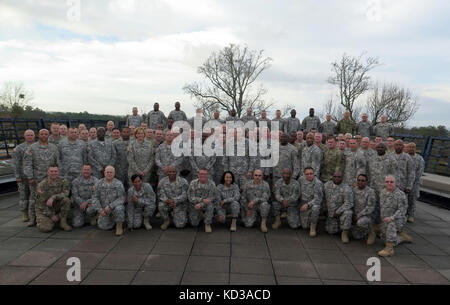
(14, 222)
(251, 266)
(249, 251)
(88, 260)
(426, 230)
(422, 276)
(93, 245)
(410, 261)
(211, 249)
(104, 235)
(251, 279)
(156, 262)
(445, 273)
(56, 245)
(360, 246)
(437, 224)
(78, 233)
(388, 274)
(109, 277)
(141, 246)
(295, 269)
(122, 261)
(20, 243)
(11, 231)
(178, 236)
(202, 278)
(18, 275)
(34, 232)
(214, 264)
(361, 259)
(141, 234)
(248, 238)
(425, 248)
(58, 276)
(217, 236)
(328, 256)
(288, 254)
(7, 256)
(342, 282)
(279, 241)
(437, 262)
(157, 278)
(317, 243)
(337, 272)
(287, 280)
(173, 248)
(37, 259)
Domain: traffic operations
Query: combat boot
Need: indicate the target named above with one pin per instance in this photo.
(312, 230)
(388, 250)
(208, 228)
(63, 224)
(371, 237)
(283, 215)
(93, 221)
(410, 219)
(233, 225)
(25, 217)
(165, 224)
(277, 223)
(158, 215)
(119, 228)
(405, 238)
(344, 237)
(32, 221)
(263, 225)
(377, 229)
(147, 224)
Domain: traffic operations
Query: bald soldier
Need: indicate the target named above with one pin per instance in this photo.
(286, 192)
(22, 181)
(419, 167)
(101, 153)
(310, 200)
(72, 154)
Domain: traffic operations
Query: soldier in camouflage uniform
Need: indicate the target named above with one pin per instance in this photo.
(92, 135)
(228, 199)
(165, 158)
(83, 189)
(346, 125)
(203, 161)
(383, 129)
(328, 127)
(255, 199)
(354, 164)
(54, 134)
(38, 157)
(72, 155)
(232, 116)
(52, 201)
(311, 155)
(288, 158)
(155, 118)
(310, 122)
(109, 130)
(310, 200)
(22, 181)
(280, 120)
(140, 157)
(364, 128)
(405, 176)
(101, 153)
(333, 161)
(292, 124)
(202, 197)
(249, 117)
(390, 142)
(419, 167)
(121, 148)
(286, 193)
(134, 119)
(264, 119)
(172, 196)
(364, 207)
(177, 114)
(339, 201)
(141, 203)
(393, 206)
(109, 199)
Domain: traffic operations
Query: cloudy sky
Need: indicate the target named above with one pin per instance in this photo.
(119, 53)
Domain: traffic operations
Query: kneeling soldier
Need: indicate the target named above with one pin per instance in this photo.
(83, 189)
(141, 203)
(202, 199)
(287, 192)
(364, 199)
(229, 196)
(310, 200)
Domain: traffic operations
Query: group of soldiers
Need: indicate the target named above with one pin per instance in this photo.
(111, 177)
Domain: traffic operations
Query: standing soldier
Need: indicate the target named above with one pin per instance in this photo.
(346, 125)
(255, 199)
(228, 199)
(287, 192)
(390, 142)
(134, 119)
(405, 176)
(165, 158)
(328, 127)
(52, 201)
(83, 189)
(22, 181)
(311, 155)
(339, 202)
(37, 159)
(292, 124)
(54, 131)
(155, 118)
(354, 164)
(364, 128)
(249, 117)
(109, 199)
(203, 161)
(393, 206)
(202, 199)
(121, 165)
(384, 129)
(333, 161)
(264, 119)
(364, 207)
(84, 136)
(311, 122)
(280, 120)
(92, 135)
(419, 167)
(101, 153)
(72, 154)
(288, 158)
(109, 130)
(140, 157)
(172, 196)
(310, 200)
(232, 116)
(63, 131)
(141, 203)
(177, 114)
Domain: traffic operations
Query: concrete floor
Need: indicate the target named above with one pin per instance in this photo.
(189, 256)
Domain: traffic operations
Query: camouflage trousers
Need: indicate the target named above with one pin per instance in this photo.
(412, 198)
(24, 195)
(136, 214)
(123, 177)
(240, 179)
(361, 228)
(33, 196)
(335, 224)
(196, 215)
(179, 213)
(232, 207)
(79, 217)
(292, 211)
(109, 221)
(309, 216)
(390, 231)
(250, 215)
(59, 207)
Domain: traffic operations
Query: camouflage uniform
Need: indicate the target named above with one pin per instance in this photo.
(24, 187)
(260, 194)
(312, 194)
(54, 141)
(287, 159)
(333, 161)
(292, 125)
(405, 175)
(108, 135)
(393, 205)
(364, 129)
(419, 167)
(100, 155)
(281, 123)
(339, 200)
(239, 165)
(121, 165)
(364, 207)
(310, 122)
(291, 193)
(205, 162)
(311, 157)
(140, 159)
(145, 207)
(156, 118)
(264, 120)
(230, 197)
(134, 120)
(196, 193)
(346, 126)
(327, 128)
(72, 156)
(177, 191)
(383, 130)
(248, 118)
(354, 165)
(61, 203)
(165, 157)
(112, 194)
(178, 115)
(82, 191)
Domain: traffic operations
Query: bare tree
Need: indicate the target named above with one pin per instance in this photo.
(395, 102)
(286, 110)
(14, 98)
(350, 75)
(230, 81)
